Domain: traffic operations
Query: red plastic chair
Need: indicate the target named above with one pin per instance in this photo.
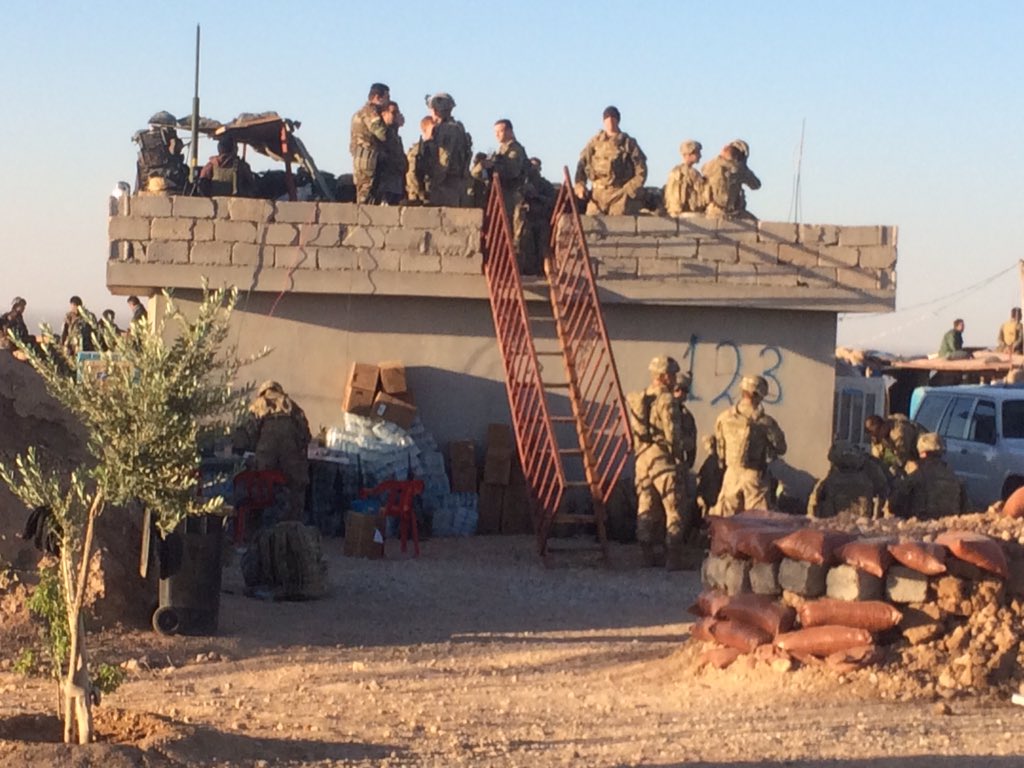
(256, 491)
(398, 498)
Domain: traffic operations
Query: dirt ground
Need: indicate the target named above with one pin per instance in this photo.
(477, 655)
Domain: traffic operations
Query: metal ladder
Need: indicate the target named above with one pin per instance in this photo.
(572, 431)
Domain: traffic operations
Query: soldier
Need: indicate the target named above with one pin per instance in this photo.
(932, 490)
(512, 164)
(77, 335)
(687, 451)
(684, 191)
(448, 175)
(1011, 337)
(393, 165)
(277, 431)
(893, 442)
(747, 439)
(161, 164)
(854, 483)
(725, 177)
(655, 420)
(366, 143)
(12, 323)
(226, 174)
(952, 345)
(615, 166)
(476, 190)
(421, 156)
(540, 203)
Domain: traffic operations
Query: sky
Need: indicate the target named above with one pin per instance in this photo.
(911, 113)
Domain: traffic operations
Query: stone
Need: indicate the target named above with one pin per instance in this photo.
(421, 217)
(364, 237)
(776, 231)
(247, 208)
(953, 595)
(337, 258)
(877, 256)
(798, 255)
(759, 253)
(856, 278)
(922, 633)
(711, 251)
(860, 236)
(764, 579)
(737, 274)
(280, 234)
(171, 229)
(902, 585)
(844, 582)
(212, 252)
(415, 262)
(838, 256)
(150, 205)
(321, 235)
(294, 257)
(194, 207)
(202, 230)
(235, 231)
(376, 260)
(338, 213)
(167, 252)
(661, 226)
(251, 255)
(296, 212)
(128, 228)
(463, 265)
(804, 579)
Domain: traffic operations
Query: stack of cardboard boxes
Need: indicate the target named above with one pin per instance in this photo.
(504, 500)
(380, 390)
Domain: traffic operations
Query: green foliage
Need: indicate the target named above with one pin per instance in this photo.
(26, 662)
(47, 604)
(107, 678)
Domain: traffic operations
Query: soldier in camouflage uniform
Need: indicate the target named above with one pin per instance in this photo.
(893, 442)
(684, 191)
(656, 423)
(448, 174)
(392, 165)
(79, 331)
(725, 177)
(420, 157)
(277, 430)
(512, 165)
(368, 137)
(540, 204)
(932, 490)
(616, 168)
(854, 483)
(747, 439)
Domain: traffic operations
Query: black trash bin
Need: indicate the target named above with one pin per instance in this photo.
(190, 572)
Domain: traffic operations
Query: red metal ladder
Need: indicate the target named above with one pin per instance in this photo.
(590, 458)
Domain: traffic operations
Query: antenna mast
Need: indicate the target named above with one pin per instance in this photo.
(794, 207)
(194, 159)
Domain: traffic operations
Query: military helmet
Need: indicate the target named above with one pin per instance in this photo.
(741, 145)
(684, 380)
(18, 302)
(661, 365)
(269, 386)
(690, 146)
(755, 385)
(164, 118)
(931, 442)
(442, 102)
(845, 455)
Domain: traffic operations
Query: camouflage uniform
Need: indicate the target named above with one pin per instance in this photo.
(852, 484)
(277, 430)
(540, 202)
(448, 173)
(392, 169)
(932, 490)
(419, 159)
(512, 164)
(899, 449)
(746, 439)
(77, 334)
(724, 180)
(369, 133)
(1010, 337)
(617, 169)
(684, 190)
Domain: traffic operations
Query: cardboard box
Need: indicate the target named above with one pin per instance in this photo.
(500, 452)
(392, 377)
(357, 400)
(405, 397)
(517, 507)
(364, 376)
(364, 536)
(489, 509)
(463, 475)
(392, 409)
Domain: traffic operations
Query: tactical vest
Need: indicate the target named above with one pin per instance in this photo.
(224, 181)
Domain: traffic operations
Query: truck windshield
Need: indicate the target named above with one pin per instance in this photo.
(1013, 419)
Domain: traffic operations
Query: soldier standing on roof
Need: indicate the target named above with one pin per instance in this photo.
(512, 165)
(393, 165)
(448, 175)
(368, 136)
(684, 191)
(656, 422)
(747, 439)
(725, 176)
(616, 168)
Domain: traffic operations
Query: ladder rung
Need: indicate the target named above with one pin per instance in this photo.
(564, 419)
(570, 451)
(556, 385)
(574, 518)
(549, 352)
(541, 319)
(577, 484)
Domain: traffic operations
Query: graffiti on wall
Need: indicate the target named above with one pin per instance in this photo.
(732, 363)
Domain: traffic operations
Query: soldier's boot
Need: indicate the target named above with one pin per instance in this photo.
(647, 555)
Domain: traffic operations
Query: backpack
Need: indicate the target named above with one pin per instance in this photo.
(640, 417)
(287, 559)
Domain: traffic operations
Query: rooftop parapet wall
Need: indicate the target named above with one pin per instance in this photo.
(169, 242)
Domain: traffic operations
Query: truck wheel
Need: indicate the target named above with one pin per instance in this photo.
(166, 621)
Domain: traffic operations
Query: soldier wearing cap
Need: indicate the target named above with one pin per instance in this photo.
(12, 324)
(656, 423)
(684, 191)
(448, 174)
(746, 440)
(367, 140)
(276, 429)
(725, 177)
(893, 442)
(932, 490)
(854, 484)
(616, 168)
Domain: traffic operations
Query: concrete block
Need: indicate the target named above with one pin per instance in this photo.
(804, 579)
(737, 274)
(295, 212)
(759, 253)
(729, 574)
(860, 236)
(661, 226)
(903, 585)
(857, 278)
(122, 250)
(171, 229)
(202, 230)
(619, 225)
(234, 231)
(280, 234)
(251, 255)
(776, 231)
(697, 271)
(194, 207)
(246, 208)
(454, 243)
(364, 237)
(735, 230)
(462, 218)
(887, 279)
(167, 252)
(615, 266)
(400, 239)
(890, 234)
(838, 256)
(602, 251)
(798, 255)
(380, 215)
(593, 226)
(779, 275)
(153, 206)
(294, 257)
(844, 582)
(878, 256)
(421, 217)
(463, 265)
(676, 249)
(376, 260)
(415, 262)
(320, 235)
(128, 228)
(764, 579)
(337, 258)
(711, 251)
(212, 252)
(698, 227)
(338, 213)
(816, 277)
(657, 267)
(817, 234)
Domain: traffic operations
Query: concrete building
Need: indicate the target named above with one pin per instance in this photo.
(327, 284)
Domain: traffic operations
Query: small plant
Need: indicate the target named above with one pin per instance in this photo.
(47, 604)
(26, 662)
(107, 678)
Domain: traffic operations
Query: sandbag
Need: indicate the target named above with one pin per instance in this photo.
(708, 603)
(735, 634)
(868, 555)
(702, 630)
(724, 530)
(920, 556)
(1014, 506)
(719, 658)
(872, 615)
(976, 549)
(760, 611)
(823, 641)
(813, 545)
(758, 543)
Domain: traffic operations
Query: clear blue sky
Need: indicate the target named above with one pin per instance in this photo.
(913, 113)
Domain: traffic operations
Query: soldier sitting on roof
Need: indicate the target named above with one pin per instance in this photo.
(226, 174)
(161, 164)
